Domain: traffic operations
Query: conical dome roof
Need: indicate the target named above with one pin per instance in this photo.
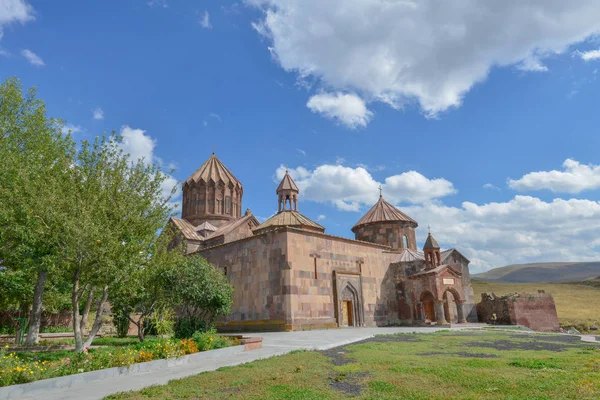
(431, 243)
(287, 183)
(383, 211)
(292, 219)
(213, 169)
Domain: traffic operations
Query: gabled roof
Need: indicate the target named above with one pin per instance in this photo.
(187, 230)
(233, 225)
(206, 226)
(290, 218)
(446, 253)
(213, 169)
(287, 183)
(407, 255)
(438, 270)
(383, 211)
(431, 243)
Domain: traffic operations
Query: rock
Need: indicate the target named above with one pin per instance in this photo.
(573, 331)
(594, 328)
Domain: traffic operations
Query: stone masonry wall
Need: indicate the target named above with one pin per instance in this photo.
(388, 234)
(535, 311)
(313, 303)
(257, 268)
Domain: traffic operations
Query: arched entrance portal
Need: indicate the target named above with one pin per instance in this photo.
(349, 312)
(427, 300)
(453, 310)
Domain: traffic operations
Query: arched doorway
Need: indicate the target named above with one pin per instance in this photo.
(427, 300)
(349, 312)
(452, 304)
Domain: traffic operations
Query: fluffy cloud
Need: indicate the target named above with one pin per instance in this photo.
(575, 178)
(205, 21)
(349, 189)
(349, 109)
(589, 55)
(14, 11)
(524, 229)
(33, 58)
(140, 146)
(70, 128)
(98, 113)
(426, 51)
(158, 3)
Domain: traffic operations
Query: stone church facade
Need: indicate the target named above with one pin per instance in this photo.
(288, 274)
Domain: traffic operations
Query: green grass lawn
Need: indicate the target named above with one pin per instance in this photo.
(444, 365)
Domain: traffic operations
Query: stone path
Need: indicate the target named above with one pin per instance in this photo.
(274, 343)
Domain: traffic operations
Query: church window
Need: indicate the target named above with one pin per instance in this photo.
(316, 277)
(228, 205)
(405, 242)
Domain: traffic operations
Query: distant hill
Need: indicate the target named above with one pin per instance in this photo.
(542, 272)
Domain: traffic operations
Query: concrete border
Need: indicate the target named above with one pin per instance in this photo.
(37, 389)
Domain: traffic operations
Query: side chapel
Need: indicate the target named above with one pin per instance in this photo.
(288, 274)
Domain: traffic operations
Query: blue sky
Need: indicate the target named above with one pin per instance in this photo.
(442, 108)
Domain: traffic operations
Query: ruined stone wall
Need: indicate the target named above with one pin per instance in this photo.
(257, 268)
(388, 234)
(313, 303)
(535, 311)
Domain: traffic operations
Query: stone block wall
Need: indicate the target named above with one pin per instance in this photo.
(388, 234)
(535, 311)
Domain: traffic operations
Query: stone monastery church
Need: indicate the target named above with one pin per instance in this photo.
(288, 274)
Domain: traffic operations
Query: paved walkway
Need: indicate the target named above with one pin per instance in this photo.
(274, 344)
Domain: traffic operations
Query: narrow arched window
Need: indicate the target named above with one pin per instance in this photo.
(405, 242)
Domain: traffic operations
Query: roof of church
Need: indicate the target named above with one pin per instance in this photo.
(233, 225)
(213, 169)
(383, 211)
(431, 243)
(446, 253)
(290, 218)
(187, 229)
(287, 183)
(206, 226)
(408, 255)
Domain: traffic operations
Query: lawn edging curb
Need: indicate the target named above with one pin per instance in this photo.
(37, 388)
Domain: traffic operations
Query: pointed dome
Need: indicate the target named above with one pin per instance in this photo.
(383, 211)
(431, 243)
(287, 183)
(213, 169)
(289, 218)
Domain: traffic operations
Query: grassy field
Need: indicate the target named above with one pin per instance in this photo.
(444, 365)
(577, 305)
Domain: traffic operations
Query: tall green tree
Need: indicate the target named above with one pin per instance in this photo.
(114, 210)
(36, 157)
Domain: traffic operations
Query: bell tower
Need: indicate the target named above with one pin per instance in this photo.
(287, 193)
(431, 250)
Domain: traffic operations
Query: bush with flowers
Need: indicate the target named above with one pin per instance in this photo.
(15, 370)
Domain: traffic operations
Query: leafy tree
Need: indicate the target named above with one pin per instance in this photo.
(35, 156)
(199, 290)
(115, 209)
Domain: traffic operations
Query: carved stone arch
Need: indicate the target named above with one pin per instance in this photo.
(349, 299)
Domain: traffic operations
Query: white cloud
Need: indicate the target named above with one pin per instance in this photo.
(524, 229)
(575, 178)
(350, 189)
(215, 116)
(74, 129)
(33, 58)
(321, 217)
(532, 64)
(349, 109)
(140, 146)
(205, 21)
(158, 3)
(589, 55)
(14, 11)
(98, 113)
(425, 51)
(491, 186)
(301, 152)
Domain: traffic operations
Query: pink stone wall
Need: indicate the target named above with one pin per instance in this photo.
(388, 234)
(536, 311)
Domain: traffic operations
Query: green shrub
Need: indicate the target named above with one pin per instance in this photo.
(209, 340)
(185, 327)
(121, 323)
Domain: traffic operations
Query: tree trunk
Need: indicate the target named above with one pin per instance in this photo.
(98, 320)
(35, 318)
(86, 311)
(75, 305)
(140, 326)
